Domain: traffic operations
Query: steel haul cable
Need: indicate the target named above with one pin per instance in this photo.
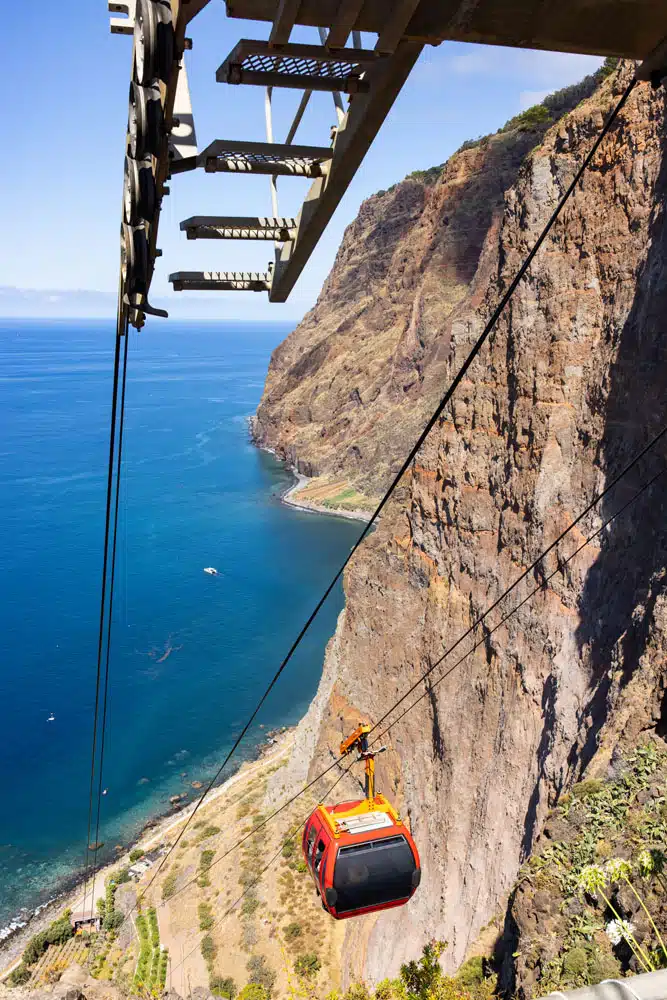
(119, 455)
(121, 330)
(414, 450)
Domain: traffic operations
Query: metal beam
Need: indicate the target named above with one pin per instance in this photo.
(284, 21)
(396, 25)
(346, 18)
(122, 25)
(354, 137)
(628, 28)
(183, 138)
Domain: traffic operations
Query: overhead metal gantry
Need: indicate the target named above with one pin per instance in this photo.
(161, 141)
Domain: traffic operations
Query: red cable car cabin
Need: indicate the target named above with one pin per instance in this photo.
(360, 854)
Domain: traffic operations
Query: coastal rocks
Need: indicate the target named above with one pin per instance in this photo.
(75, 984)
(562, 398)
(197, 784)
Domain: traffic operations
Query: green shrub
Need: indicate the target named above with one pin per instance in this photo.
(307, 965)
(208, 831)
(288, 849)
(533, 117)
(136, 854)
(208, 948)
(260, 972)
(390, 989)
(254, 991)
(300, 866)
(608, 67)
(35, 948)
(205, 917)
(471, 972)
(250, 905)
(357, 991)
(162, 974)
(425, 177)
(575, 963)
(420, 977)
(122, 876)
(292, 931)
(20, 975)
(222, 986)
(113, 920)
(169, 884)
(602, 966)
(59, 931)
(584, 789)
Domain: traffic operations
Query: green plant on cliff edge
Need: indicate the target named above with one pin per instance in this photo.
(423, 979)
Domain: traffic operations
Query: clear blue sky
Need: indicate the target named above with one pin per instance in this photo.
(62, 167)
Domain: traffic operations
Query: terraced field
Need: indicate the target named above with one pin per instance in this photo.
(56, 959)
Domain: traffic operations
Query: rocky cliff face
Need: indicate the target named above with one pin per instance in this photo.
(349, 390)
(570, 387)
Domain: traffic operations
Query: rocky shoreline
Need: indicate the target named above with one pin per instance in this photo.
(292, 498)
(154, 831)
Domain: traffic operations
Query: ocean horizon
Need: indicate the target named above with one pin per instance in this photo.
(190, 652)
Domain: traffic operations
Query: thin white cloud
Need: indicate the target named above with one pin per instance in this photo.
(548, 70)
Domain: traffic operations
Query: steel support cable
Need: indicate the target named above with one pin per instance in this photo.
(103, 597)
(621, 510)
(471, 629)
(413, 452)
(505, 618)
(119, 454)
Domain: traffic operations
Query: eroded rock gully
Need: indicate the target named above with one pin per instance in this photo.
(569, 388)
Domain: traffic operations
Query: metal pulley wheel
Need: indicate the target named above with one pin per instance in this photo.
(134, 261)
(153, 42)
(139, 193)
(145, 123)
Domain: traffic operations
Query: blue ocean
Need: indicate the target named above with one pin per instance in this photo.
(190, 652)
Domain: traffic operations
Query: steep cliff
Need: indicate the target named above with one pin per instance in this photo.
(569, 388)
(349, 389)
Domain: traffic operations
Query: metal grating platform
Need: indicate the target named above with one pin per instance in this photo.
(229, 227)
(229, 156)
(220, 281)
(311, 67)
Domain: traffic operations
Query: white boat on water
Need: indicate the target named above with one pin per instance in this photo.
(211, 570)
(51, 718)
